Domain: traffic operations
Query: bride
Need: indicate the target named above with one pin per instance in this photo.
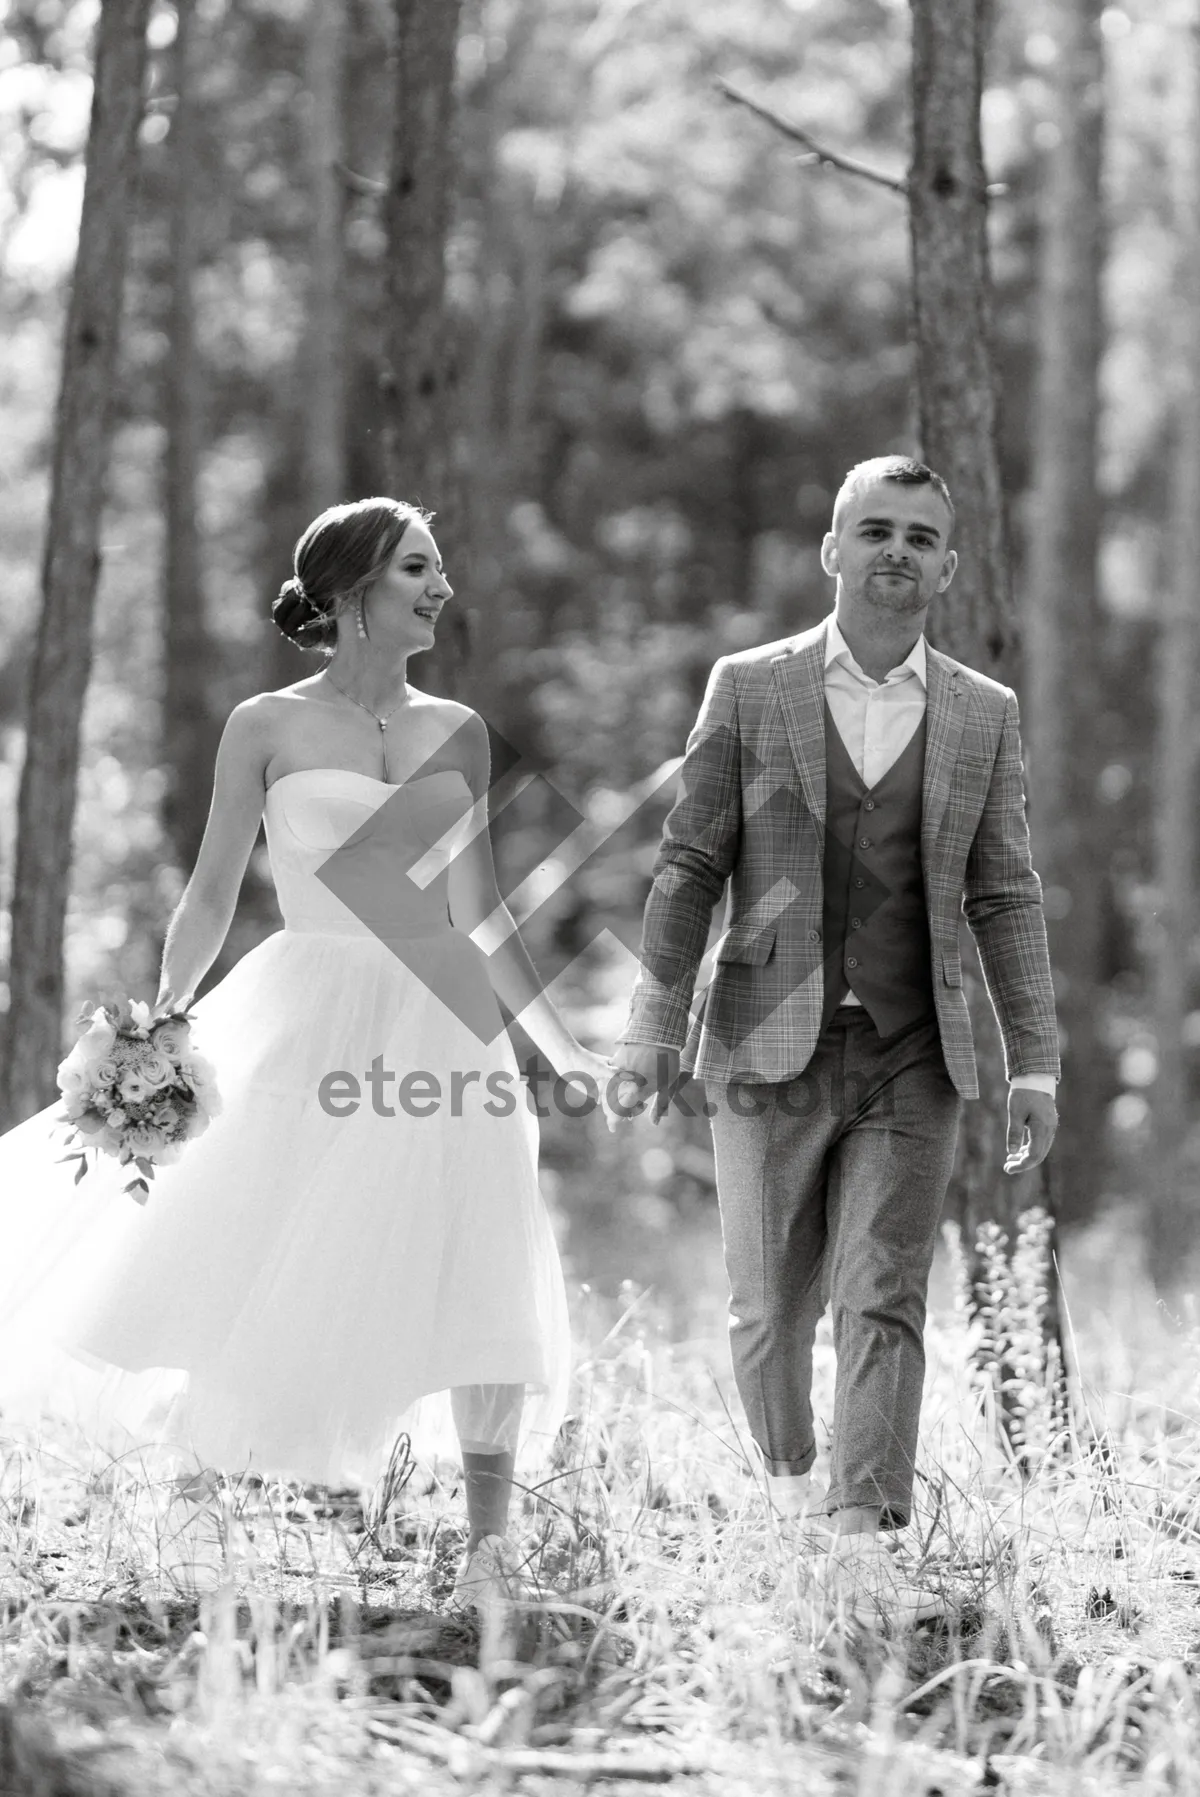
(360, 1228)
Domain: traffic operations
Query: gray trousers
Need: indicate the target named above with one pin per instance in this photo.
(831, 1186)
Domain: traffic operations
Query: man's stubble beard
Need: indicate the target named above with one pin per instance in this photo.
(898, 604)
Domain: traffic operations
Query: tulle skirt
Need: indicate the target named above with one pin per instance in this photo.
(314, 1275)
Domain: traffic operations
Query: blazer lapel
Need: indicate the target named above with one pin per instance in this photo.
(946, 710)
(800, 680)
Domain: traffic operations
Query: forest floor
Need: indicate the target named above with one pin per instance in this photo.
(678, 1638)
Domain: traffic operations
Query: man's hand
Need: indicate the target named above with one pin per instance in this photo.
(1032, 1121)
(643, 1073)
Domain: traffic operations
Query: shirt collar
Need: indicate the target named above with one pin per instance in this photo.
(838, 649)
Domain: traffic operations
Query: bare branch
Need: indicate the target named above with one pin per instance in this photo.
(820, 155)
(817, 153)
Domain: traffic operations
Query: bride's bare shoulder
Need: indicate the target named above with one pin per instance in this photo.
(265, 711)
(256, 725)
(281, 697)
(461, 731)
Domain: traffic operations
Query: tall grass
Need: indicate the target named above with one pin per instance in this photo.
(678, 1633)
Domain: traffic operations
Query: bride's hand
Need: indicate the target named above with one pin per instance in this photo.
(167, 1005)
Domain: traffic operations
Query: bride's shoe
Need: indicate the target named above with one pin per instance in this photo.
(489, 1578)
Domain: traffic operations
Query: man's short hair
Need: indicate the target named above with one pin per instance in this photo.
(902, 469)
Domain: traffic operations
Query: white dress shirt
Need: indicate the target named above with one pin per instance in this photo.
(875, 719)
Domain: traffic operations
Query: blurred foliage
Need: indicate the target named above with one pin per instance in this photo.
(672, 338)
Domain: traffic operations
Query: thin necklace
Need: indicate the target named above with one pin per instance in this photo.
(381, 721)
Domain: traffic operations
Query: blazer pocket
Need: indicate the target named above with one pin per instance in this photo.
(951, 968)
(968, 758)
(746, 944)
(972, 770)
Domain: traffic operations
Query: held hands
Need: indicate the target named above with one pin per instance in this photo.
(618, 1102)
(624, 1084)
(641, 1074)
(1032, 1121)
(584, 1065)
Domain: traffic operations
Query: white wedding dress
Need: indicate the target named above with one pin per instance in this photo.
(300, 1284)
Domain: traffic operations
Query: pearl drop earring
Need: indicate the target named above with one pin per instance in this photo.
(358, 619)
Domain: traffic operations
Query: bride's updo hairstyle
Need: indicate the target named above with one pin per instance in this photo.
(340, 555)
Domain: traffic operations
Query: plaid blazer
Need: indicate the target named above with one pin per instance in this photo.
(751, 813)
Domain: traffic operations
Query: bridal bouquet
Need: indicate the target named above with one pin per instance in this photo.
(134, 1089)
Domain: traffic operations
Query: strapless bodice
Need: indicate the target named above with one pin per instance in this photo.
(354, 856)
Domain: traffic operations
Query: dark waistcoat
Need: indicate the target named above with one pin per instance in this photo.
(875, 926)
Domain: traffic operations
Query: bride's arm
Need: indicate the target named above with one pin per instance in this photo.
(203, 915)
(477, 908)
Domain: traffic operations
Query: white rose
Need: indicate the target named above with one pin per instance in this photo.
(156, 1070)
(97, 1040)
(171, 1038)
(143, 1139)
(117, 1118)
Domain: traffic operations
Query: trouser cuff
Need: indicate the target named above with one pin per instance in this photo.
(783, 1469)
(894, 1511)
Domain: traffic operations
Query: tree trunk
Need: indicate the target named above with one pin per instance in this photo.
(956, 385)
(1061, 617)
(189, 732)
(71, 563)
(321, 408)
(1170, 1223)
(958, 412)
(497, 395)
(418, 378)
(325, 348)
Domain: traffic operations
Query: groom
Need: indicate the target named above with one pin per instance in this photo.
(857, 790)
